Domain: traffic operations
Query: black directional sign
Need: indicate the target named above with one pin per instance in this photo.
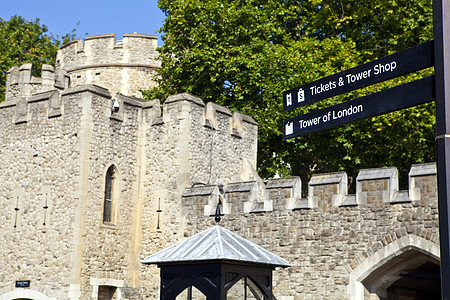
(398, 64)
(400, 97)
(434, 53)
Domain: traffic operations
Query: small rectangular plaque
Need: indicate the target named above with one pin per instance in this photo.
(22, 283)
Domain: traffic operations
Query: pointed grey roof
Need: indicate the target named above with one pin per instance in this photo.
(216, 243)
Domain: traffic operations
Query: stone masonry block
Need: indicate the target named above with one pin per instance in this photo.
(210, 116)
(292, 185)
(21, 111)
(339, 182)
(389, 174)
(415, 172)
(213, 197)
(247, 190)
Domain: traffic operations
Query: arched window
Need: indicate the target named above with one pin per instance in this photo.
(110, 196)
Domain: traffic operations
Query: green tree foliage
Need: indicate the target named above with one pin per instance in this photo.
(244, 54)
(24, 41)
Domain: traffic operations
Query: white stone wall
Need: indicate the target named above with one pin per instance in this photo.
(56, 149)
(39, 193)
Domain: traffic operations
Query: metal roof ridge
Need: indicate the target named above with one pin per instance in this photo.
(214, 244)
(221, 251)
(198, 242)
(263, 252)
(242, 246)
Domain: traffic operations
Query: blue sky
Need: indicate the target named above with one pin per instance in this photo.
(95, 16)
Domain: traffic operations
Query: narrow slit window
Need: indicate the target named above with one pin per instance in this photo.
(109, 198)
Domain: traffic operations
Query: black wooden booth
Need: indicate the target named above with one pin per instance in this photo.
(216, 264)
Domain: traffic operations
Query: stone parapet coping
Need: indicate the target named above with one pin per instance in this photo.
(200, 190)
(328, 178)
(377, 173)
(290, 190)
(282, 182)
(184, 97)
(114, 65)
(96, 89)
(423, 169)
(240, 187)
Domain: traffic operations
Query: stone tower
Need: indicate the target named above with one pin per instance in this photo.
(89, 188)
(123, 67)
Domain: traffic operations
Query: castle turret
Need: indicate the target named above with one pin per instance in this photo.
(21, 84)
(123, 67)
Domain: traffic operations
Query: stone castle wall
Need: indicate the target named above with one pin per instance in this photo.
(21, 84)
(183, 149)
(329, 236)
(39, 191)
(57, 147)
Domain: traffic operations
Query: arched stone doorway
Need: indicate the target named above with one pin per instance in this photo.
(421, 283)
(410, 276)
(24, 294)
(405, 269)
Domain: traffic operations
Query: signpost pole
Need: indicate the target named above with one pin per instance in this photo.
(336, 84)
(441, 25)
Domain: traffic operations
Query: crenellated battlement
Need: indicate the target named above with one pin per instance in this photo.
(24, 91)
(124, 66)
(213, 115)
(105, 49)
(235, 130)
(21, 84)
(329, 235)
(375, 188)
